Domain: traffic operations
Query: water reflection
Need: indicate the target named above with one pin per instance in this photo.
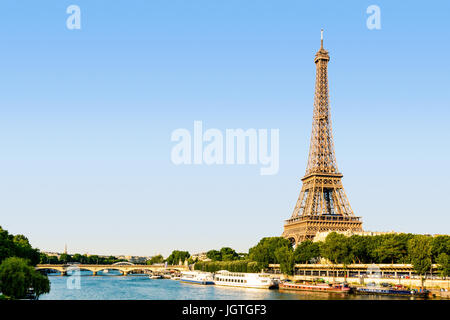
(111, 285)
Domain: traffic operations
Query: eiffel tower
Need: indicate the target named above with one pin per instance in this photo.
(322, 204)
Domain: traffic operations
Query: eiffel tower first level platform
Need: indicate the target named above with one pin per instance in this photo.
(322, 205)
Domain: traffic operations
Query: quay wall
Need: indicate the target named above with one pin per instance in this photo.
(362, 274)
(413, 283)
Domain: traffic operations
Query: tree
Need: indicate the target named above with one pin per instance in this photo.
(18, 246)
(65, 258)
(214, 255)
(443, 261)
(403, 239)
(391, 249)
(93, 259)
(441, 244)
(285, 257)
(24, 249)
(176, 256)
(77, 258)
(6, 245)
(306, 251)
(156, 259)
(17, 277)
(228, 254)
(225, 254)
(419, 250)
(336, 248)
(372, 245)
(46, 259)
(359, 249)
(192, 260)
(264, 252)
(232, 266)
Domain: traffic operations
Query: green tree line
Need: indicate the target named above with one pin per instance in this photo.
(17, 246)
(420, 250)
(17, 273)
(233, 266)
(83, 259)
(225, 254)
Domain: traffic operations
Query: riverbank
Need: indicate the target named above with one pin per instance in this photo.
(431, 284)
(437, 287)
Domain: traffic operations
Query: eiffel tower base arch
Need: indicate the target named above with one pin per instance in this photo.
(305, 228)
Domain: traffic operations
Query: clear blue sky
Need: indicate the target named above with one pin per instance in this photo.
(86, 117)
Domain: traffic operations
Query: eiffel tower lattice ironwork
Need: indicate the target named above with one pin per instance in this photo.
(322, 204)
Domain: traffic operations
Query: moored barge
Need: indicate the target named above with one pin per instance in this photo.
(318, 287)
(397, 290)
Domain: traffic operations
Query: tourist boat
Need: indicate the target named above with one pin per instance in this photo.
(318, 287)
(245, 280)
(397, 290)
(155, 276)
(197, 277)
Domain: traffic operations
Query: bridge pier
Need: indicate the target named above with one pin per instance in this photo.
(94, 273)
(63, 273)
(124, 273)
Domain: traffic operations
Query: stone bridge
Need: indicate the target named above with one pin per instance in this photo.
(123, 268)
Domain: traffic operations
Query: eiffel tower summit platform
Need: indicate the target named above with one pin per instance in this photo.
(322, 205)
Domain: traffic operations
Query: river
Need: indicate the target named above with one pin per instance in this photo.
(140, 287)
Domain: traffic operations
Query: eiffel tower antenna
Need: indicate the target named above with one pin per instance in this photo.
(322, 204)
(321, 38)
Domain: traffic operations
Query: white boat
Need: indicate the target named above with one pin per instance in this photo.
(155, 276)
(197, 277)
(244, 280)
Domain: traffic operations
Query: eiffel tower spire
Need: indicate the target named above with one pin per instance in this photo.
(322, 204)
(321, 150)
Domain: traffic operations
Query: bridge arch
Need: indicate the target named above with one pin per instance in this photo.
(123, 263)
(51, 269)
(112, 268)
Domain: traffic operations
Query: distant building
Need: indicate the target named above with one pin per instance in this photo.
(200, 256)
(52, 254)
(134, 259)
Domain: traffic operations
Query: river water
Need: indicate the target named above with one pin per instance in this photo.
(140, 287)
